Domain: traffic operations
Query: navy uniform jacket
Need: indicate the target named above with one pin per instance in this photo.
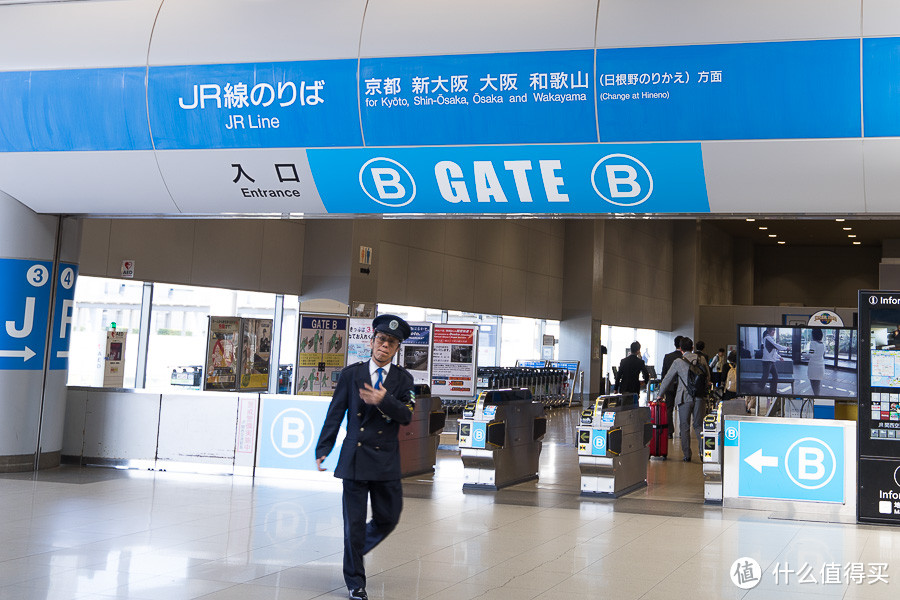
(370, 450)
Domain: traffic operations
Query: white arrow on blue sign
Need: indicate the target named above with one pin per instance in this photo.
(24, 312)
(788, 461)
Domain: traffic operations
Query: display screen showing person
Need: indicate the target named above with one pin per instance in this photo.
(376, 397)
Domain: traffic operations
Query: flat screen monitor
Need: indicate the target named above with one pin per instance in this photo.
(795, 361)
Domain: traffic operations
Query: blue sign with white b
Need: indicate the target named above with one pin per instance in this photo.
(787, 461)
(563, 179)
(479, 434)
(598, 442)
(24, 313)
(289, 430)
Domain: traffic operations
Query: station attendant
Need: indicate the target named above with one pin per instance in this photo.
(377, 398)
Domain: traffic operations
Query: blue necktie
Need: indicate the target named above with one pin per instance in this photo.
(378, 381)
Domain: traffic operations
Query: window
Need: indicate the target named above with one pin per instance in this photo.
(98, 303)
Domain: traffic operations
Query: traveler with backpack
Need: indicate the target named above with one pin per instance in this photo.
(770, 356)
(692, 376)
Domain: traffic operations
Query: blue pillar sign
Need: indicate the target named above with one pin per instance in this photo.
(787, 461)
(24, 313)
(62, 316)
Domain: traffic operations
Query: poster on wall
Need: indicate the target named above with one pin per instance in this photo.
(415, 353)
(221, 353)
(256, 347)
(359, 346)
(114, 370)
(453, 360)
(322, 351)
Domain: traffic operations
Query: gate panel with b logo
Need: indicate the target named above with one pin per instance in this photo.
(288, 431)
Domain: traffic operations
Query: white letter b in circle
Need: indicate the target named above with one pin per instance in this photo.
(388, 179)
(292, 433)
(812, 463)
(616, 183)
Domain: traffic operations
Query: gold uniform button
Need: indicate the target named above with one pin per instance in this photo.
(362, 428)
(359, 443)
(358, 414)
(380, 432)
(377, 448)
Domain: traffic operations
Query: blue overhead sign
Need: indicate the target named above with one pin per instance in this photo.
(74, 109)
(766, 90)
(254, 105)
(24, 313)
(561, 179)
(787, 461)
(504, 98)
(881, 86)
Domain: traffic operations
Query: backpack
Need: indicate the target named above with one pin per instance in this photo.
(697, 381)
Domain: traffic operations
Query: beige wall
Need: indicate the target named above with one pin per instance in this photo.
(508, 267)
(814, 275)
(716, 275)
(257, 255)
(637, 277)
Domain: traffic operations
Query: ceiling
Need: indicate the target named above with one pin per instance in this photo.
(812, 232)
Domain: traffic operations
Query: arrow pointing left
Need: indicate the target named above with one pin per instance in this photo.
(25, 354)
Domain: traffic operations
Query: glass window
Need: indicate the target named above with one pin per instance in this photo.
(180, 319)
(647, 338)
(552, 328)
(521, 340)
(99, 302)
(289, 334)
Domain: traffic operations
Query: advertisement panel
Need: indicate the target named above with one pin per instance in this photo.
(415, 353)
(321, 353)
(222, 353)
(453, 360)
(256, 347)
(359, 345)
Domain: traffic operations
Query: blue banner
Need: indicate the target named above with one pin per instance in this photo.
(70, 110)
(24, 313)
(522, 97)
(765, 90)
(881, 86)
(289, 430)
(584, 179)
(255, 105)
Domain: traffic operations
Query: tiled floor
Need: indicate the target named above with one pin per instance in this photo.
(100, 533)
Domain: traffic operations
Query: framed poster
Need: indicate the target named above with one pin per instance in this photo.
(221, 353)
(256, 347)
(453, 366)
(321, 353)
(415, 353)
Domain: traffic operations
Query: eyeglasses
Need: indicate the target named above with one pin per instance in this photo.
(386, 339)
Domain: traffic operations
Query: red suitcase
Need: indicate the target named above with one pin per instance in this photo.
(659, 422)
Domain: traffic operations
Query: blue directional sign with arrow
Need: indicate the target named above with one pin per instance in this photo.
(787, 461)
(24, 313)
(62, 316)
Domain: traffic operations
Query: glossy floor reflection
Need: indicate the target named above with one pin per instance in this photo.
(74, 533)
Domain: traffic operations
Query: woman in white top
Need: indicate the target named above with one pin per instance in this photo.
(770, 354)
(816, 369)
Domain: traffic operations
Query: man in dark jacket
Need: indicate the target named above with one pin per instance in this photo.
(668, 359)
(629, 369)
(691, 409)
(377, 398)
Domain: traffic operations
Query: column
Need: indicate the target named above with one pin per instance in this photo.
(38, 269)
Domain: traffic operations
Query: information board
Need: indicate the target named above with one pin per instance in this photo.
(453, 360)
(322, 351)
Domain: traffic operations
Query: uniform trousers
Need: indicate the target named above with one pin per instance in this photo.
(359, 536)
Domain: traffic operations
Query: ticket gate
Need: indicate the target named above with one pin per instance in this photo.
(418, 440)
(711, 440)
(612, 445)
(500, 439)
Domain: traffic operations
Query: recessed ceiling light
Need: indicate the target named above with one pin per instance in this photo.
(857, 243)
(851, 235)
(840, 220)
(772, 235)
(750, 220)
(780, 241)
(763, 228)
(847, 228)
